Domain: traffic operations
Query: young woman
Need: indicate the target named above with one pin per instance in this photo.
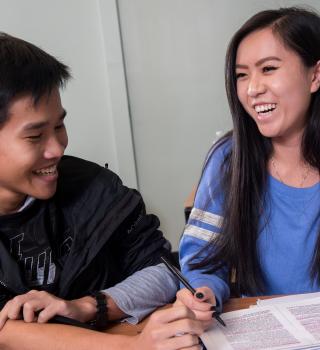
(256, 217)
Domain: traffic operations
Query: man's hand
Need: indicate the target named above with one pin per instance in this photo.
(170, 329)
(202, 303)
(40, 306)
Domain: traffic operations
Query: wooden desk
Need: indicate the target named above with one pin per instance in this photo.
(232, 305)
(188, 204)
(190, 199)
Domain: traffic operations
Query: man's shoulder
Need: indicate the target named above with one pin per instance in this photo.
(75, 167)
(76, 175)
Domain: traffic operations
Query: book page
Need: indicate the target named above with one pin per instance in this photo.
(255, 329)
(287, 298)
(306, 313)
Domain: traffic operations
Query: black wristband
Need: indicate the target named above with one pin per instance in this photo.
(101, 320)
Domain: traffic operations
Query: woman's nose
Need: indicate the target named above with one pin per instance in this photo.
(256, 86)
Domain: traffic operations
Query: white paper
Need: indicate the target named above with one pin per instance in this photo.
(281, 326)
(287, 298)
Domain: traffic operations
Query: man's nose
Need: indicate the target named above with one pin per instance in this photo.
(54, 148)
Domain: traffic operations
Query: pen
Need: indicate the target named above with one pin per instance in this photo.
(183, 280)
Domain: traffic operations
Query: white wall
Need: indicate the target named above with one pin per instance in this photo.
(74, 32)
(174, 54)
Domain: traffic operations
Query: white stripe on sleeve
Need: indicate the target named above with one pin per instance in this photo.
(206, 217)
(198, 232)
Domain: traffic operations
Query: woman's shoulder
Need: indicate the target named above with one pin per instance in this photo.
(210, 185)
(218, 153)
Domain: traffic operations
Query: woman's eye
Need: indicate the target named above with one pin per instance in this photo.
(267, 69)
(240, 75)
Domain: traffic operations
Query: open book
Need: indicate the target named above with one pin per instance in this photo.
(269, 325)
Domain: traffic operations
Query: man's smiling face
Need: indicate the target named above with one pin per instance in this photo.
(32, 142)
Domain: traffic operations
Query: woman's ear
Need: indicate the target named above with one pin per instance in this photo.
(315, 83)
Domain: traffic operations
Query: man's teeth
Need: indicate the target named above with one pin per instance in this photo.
(265, 108)
(47, 171)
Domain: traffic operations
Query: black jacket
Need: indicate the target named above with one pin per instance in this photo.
(112, 235)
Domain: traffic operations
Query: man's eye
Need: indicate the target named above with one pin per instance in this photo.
(240, 75)
(60, 126)
(267, 69)
(34, 137)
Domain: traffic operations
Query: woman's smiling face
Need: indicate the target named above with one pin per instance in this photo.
(273, 85)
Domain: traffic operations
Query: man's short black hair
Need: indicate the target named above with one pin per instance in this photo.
(25, 69)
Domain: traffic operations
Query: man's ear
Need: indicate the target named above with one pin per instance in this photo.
(315, 83)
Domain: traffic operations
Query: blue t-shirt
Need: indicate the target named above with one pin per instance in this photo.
(289, 228)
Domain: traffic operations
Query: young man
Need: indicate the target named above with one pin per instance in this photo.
(74, 241)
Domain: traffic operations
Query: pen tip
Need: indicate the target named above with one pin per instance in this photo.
(218, 318)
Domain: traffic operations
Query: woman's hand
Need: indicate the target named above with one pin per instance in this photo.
(40, 306)
(202, 303)
(170, 329)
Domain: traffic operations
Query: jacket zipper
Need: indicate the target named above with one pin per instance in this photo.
(3, 284)
(6, 286)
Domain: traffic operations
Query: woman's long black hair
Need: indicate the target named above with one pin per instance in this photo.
(245, 167)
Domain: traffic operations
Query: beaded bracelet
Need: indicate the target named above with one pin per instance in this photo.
(101, 320)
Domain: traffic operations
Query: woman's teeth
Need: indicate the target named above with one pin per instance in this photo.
(265, 108)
